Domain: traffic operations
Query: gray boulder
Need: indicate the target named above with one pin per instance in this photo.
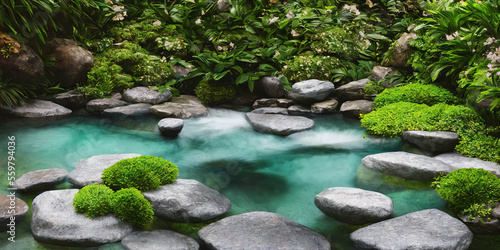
(99, 105)
(434, 141)
(159, 239)
(426, 229)
(401, 52)
(352, 91)
(38, 109)
(278, 124)
(20, 208)
(40, 179)
(146, 95)
(55, 221)
(406, 165)
(72, 62)
(129, 110)
(354, 109)
(260, 230)
(71, 99)
(380, 73)
(170, 126)
(325, 107)
(298, 109)
(187, 201)
(457, 160)
(281, 111)
(26, 66)
(183, 107)
(353, 205)
(310, 91)
(273, 87)
(272, 103)
(89, 171)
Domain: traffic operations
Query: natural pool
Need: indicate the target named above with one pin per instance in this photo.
(257, 172)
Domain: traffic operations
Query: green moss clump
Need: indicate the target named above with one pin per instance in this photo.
(417, 93)
(309, 66)
(211, 93)
(143, 173)
(130, 205)
(93, 200)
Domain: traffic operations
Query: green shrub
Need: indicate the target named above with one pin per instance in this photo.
(93, 200)
(143, 173)
(130, 205)
(463, 188)
(373, 88)
(417, 93)
(343, 42)
(318, 3)
(309, 66)
(210, 93)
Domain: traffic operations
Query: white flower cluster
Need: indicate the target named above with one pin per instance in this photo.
(452, 36)
(226, 47)
(494, 58)
(122, 13)
(352, 9)
(172, 43)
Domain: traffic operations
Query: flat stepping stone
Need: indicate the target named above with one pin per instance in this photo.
(129, 110)
(260, 230)
(353, 205)
(159, 239)
(278, 124)
(99, 105)
(458, 161)
(38, 109)
(310, 91)
(272, 103)
(170, 126)
(353, 109)
(183, 107)
(426, 229)
(9, 203)
(146, 95)
(71, 99)
(352, 91)
(187, 201)
(40, 179)
(325, 107)
(55, 221)
(434, 141)
(89, 171)
(406, 165)
(281, 111)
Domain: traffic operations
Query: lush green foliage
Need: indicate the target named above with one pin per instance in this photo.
(210, 93)
(93, 200)
(418, 93)
(143, 173)
(309, 66)
(373, 88)
(130, 205)
(469, 190)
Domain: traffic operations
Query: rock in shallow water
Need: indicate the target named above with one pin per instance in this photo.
(310, 91)
(146, 95)
(352, 91)
(99, 105)
(183, 107)
(129, 110)
(71, 99)
(40, 179)
(457, 161)
(353, 205)
(325, 107)
(426, 229)
(354, 109)
(7, 202)
(260, 230)
(170, 126)
(434, 141)
(278, 124)
(55, 221)
(159, 239)
(38, 109)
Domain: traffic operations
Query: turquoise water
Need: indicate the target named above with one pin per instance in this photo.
(257, 172)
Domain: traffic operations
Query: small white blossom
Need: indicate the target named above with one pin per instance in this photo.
(289, 14)
(455, 34)
(413, 35)
(488, 74)
(202, 12)
(157, 23)
(231, 44)
(449, 37)
(198, 21)
(219, 47)
(294, 33)
(276, 54)
(272, 20)
(469, 43)
(489, 41)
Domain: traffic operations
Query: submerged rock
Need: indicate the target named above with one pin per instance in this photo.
(129, 110)
(7, 202)
(37, 109)
(310, 91)
(159, 239)
(278, 124)
(40, 179)
(89, 171)
(183, 107)
(71, 99)
(426, 229)
(352, 91)
(260, 230)
(354, 109)
(353, 205)
(457, 161)
(187, 201)
(55, 221)
(406, 165)
(146, 95)
(170, 126)
(434, 141)
(99, 105)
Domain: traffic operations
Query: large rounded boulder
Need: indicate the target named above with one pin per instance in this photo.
(310, 91)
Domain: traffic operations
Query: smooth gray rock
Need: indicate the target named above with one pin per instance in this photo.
(353, 205)
(146, 95)
(352, 91)
(298, 109)
(281, 111)
(406, 165)
(11, 203)
(380, 73)
(260, 230)
(325, 107)
(272, 103)
(457, 161)
(159, 239)
(55, 221)
(71, 99)
(435, 141)
(129, 110)
(170, 126)
(37, 109)
(310, 91)
(426, 229)
(278, 124)
(354, 109)
(99, 105)
(89, 171)
(273, 87)
(40, 179)
(223, 5)
(183, 107)
(187, 201)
